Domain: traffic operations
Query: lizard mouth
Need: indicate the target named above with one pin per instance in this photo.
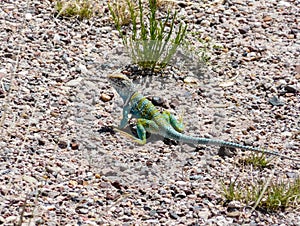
(118, 76)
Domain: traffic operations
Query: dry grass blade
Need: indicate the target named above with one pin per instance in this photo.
(13, 73)
(81, 9)
(263, 190)
(8, 99)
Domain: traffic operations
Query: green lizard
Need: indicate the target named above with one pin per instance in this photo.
(149, 119)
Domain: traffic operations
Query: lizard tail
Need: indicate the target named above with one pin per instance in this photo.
(220, 143)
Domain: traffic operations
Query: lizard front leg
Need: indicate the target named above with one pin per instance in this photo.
(125, 118)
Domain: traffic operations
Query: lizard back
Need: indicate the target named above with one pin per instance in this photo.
(141, 107)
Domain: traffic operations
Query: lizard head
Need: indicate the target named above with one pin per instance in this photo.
(122, 84)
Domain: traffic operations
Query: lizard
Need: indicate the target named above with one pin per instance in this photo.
(165, 124)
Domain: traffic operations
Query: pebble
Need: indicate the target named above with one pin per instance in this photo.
(275, 101)
(267, 19)
(82, 210)
(290, 89)
(104, 97)
(287, 134)
(205, 23)
(74, 82)
(62, 144)
(243, 30)
(50, 169)
(10, 219)
(30, 179)
(56, 38)
(190, 80)
(284, 4)
(173, 215)
(204, 214)
(82, 68)
(28, 16)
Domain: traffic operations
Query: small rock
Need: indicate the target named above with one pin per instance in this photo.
(226, 84)
(257, 24)
(234, 204)
(105, 98)
(290, 89)
(205, 23)
(204, 214)
(104, 185)
(39, 221)
(292, 175)
(56, 38)
(287, 134)
(54, 113)
(82, 68)
(10, 219)
(51, 207)
(74, 145)
(251, 54)
(51, 169)
(28, 16)
(73, 183)
(191, 80)
(62, 144)
(284, 4)
(54, 74)
(275, 101)
(30, 179)
(267, 19)
(173, 215)
(243, 30)
(226, 152)
(157, 101)
(74, 82)
(116, 184)
(233, 214)
(182, 4)
(73, 194)
(235, 64)
(181, 183)
(297, 69)
(82, 210)
(180, 195)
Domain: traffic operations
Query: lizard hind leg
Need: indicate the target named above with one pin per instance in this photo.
(176, 124)
(143, 125)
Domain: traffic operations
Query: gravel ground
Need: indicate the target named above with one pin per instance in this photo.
(61, 164)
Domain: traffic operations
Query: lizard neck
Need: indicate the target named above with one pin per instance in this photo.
(127, 93)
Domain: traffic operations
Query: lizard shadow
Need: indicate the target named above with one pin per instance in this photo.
(131, 129)
(106, 129)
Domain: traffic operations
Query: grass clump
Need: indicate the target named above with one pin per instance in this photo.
(282, 195)
(204, 48)
(152, 42)
(201, 52)
(257, 161)
(82, 9)
(120, 11)
(277, 196)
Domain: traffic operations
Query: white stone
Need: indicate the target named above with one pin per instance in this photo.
(284, 3)
(28, 16)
